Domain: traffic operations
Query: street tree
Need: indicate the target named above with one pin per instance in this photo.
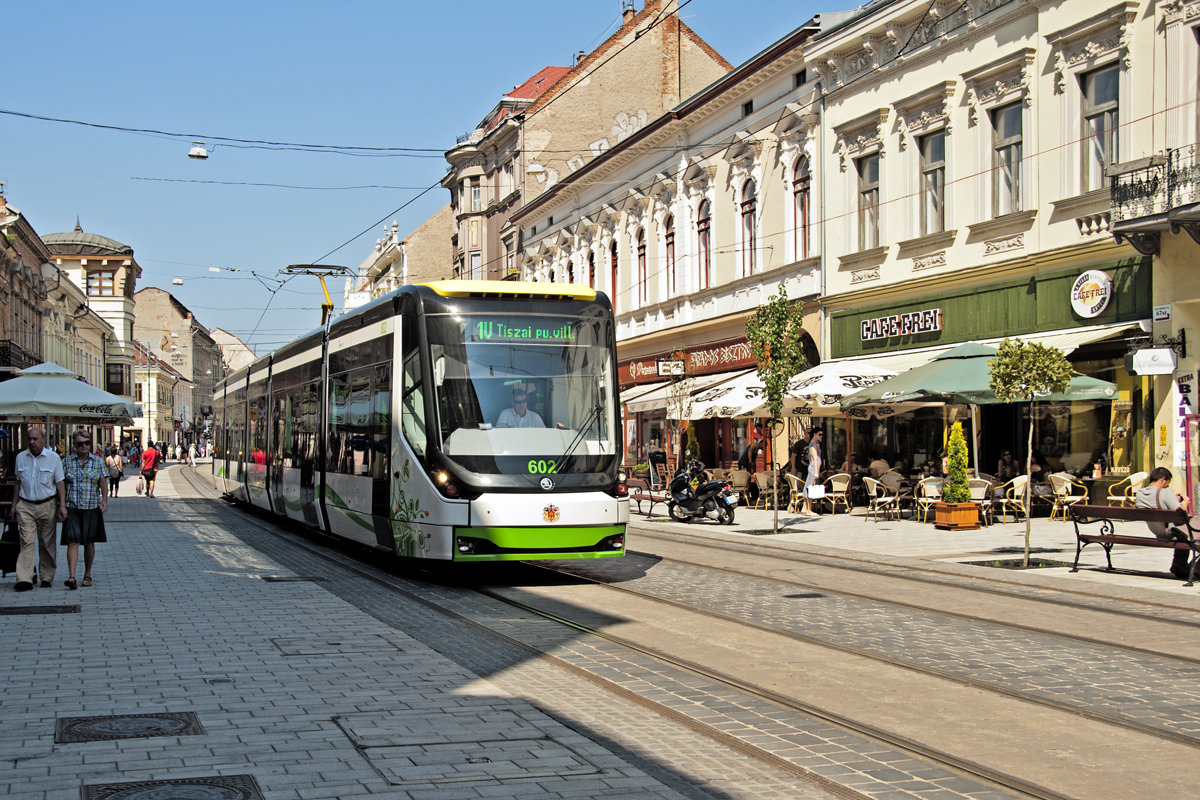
(1026, 371)
(775, 333)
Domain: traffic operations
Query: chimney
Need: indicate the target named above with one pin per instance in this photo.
(628, 12)
(580, 55)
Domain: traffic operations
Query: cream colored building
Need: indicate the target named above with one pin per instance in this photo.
(1156, 208)
(155, 388)
(234, 352)
(689, 225)
(424, 255)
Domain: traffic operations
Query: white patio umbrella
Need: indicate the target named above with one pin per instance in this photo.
(48, 391)
(822, 388)
(733, 399)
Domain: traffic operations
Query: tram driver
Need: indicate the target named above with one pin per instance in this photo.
(520, 415)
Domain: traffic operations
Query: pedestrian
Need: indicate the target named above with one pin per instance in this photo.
(814, 471)
(86, 479)
(116, 470)
(191, 454)
(40, 472)
(151, 458)
(1155, 494)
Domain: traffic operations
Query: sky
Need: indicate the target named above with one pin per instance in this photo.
(352, 74)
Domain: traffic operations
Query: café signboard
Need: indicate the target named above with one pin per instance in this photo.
(896, 325)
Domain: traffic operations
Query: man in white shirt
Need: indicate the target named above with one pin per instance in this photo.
(1155, 493)
(40, 472)
(519, 416)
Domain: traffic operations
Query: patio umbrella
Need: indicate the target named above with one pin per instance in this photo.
(961, 376)
(822, 388)
(49, 391)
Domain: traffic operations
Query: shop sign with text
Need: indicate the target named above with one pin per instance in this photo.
(915, 322)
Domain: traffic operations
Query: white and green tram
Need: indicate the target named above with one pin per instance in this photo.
(457, 420)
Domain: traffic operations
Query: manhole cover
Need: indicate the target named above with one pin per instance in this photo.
(126, 726)
(217, 787)
(13, 610)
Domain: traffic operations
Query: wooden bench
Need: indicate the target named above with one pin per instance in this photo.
(1106, 536)
(639, 491)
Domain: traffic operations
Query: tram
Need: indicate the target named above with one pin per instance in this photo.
(455, 420)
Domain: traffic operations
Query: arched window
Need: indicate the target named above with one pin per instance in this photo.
(612, 265)
(801, 186)
(704, 244)
(669, 254)
(641, 266)
(749, 228)
(592, 268)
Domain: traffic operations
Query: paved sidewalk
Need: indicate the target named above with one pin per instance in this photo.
(1136, 568)
(282, 690)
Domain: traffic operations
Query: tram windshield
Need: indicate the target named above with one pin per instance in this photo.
(524, 394)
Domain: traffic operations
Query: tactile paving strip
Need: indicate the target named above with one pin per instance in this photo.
(126, 726)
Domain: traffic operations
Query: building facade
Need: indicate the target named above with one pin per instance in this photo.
(107, 272)
(22, 292)
(561, 119)
(170, 330)
(424, 255)
(155, 388)
(234, 352)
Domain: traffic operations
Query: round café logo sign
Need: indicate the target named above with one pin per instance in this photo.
(1090, 293)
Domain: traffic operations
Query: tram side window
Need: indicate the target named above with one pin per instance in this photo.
(358, 432)
(412, 405)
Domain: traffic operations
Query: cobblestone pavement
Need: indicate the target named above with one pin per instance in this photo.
(1135, 687)
(294, 686)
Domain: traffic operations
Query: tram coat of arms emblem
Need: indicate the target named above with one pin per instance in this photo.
(551, 514)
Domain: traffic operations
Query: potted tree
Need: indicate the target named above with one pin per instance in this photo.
(956, 512)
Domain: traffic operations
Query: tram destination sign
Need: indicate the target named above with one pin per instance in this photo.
(914, 322)
(515, 329)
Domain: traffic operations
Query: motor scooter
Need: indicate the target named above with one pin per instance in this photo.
(711, 499)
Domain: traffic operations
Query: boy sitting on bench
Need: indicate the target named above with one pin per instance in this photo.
(1155, 494)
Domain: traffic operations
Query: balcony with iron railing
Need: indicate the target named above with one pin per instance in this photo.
(1156, 194)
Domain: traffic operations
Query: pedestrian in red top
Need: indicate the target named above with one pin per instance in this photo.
(151, 458)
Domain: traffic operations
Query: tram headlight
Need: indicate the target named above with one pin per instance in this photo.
(441, 479)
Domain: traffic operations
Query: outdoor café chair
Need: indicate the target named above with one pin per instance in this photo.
(1067, 492)
(1010, 497)
(981, 496)
(881, 499)
(795, 493)
(739, 483)
(928, 492)
(1121, 493)
(766, 492)
(838, 491)
(895, 481)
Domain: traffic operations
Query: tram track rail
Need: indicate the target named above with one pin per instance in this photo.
(343, 560)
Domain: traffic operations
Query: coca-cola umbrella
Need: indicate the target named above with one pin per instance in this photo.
(49, 392)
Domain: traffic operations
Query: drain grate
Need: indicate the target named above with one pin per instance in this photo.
(318, 646)
(216, 787)
(15, 610)
(460, 746)
(291, 578)
(126, 726)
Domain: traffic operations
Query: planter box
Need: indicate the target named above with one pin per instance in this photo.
(955, 516)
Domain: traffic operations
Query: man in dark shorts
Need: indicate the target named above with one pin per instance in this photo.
(151, 458)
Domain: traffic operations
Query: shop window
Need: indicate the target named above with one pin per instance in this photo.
(933, 182)
(1100, 116)
(1006, 159)
(868, 201)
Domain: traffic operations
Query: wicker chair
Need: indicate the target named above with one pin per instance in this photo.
(1121, 493)
(766, 492)
(1067, 492)
(795, 493)
(881, 499)
(739, 482)
(981, 496)
(838, 491)
(1010, 497)
(927, 492)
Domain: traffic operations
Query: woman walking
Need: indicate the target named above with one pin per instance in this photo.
(86, 479)
(116, 470)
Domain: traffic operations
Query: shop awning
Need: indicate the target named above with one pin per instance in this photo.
(657, 399)
(1065, 340)
(634, 392)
